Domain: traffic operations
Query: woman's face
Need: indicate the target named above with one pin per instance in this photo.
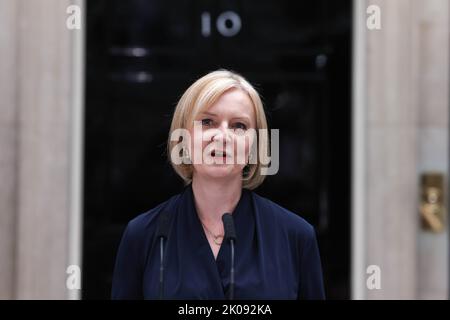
(227, 131)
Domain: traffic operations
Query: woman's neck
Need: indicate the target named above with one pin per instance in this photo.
(213, 198)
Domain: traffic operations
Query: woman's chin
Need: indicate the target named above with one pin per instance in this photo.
(218, 171)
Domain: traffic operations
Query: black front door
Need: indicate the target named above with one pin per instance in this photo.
(142, 55)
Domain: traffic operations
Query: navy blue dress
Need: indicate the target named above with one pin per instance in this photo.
(276, 254)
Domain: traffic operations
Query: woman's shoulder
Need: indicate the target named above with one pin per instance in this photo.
(275, 213)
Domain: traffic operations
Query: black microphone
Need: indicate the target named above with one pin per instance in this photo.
(230, 235)
(162, 233)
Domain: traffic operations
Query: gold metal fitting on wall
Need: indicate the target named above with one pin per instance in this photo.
(432, 208)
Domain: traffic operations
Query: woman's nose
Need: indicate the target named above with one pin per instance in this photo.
(222, 133)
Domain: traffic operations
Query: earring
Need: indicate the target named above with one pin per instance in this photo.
(246, 171)
(186, 157)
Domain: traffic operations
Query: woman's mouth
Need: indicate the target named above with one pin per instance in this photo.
(219, 154)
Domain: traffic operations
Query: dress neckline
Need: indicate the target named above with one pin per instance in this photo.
(222, 253)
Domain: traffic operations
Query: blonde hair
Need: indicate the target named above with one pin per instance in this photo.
(202, 94)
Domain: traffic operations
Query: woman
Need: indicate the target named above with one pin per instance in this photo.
(275, 251)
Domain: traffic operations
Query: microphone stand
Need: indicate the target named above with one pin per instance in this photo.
(230, 235)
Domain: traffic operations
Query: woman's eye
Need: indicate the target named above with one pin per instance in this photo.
(240, 125)
(206, 122)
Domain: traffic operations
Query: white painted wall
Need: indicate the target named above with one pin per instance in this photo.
(400, 110)
(40, 158)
